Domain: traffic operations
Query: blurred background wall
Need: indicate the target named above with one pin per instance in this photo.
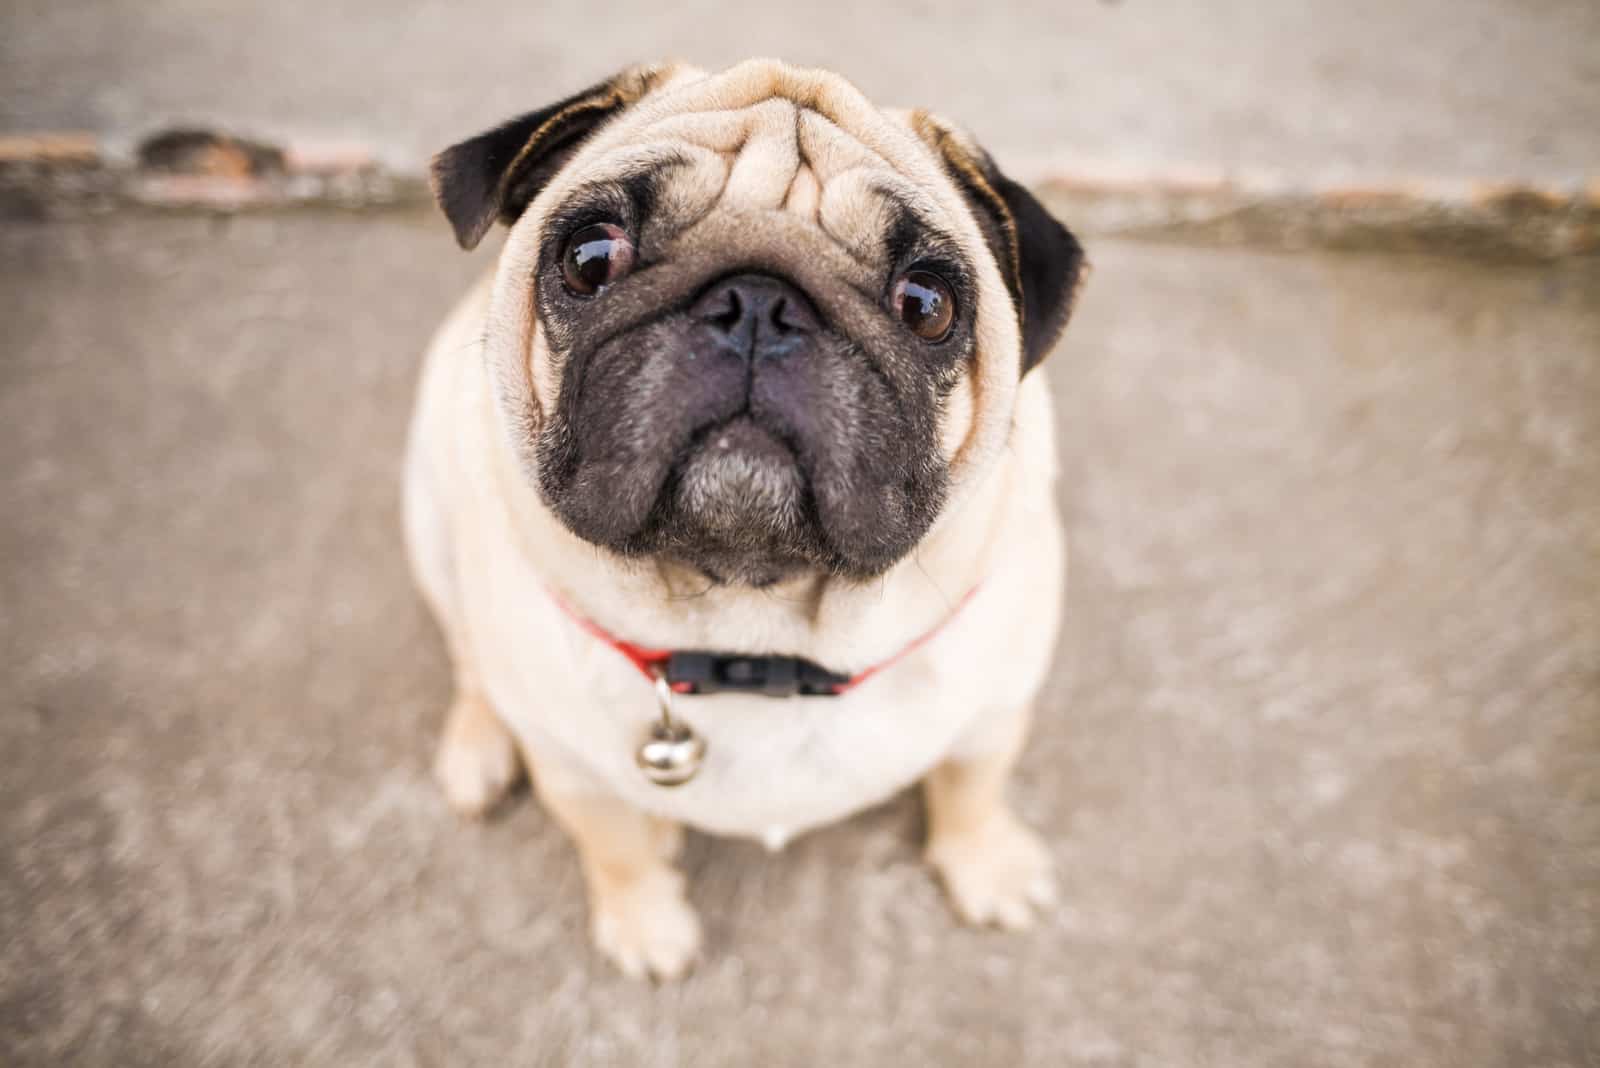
(1427, 87)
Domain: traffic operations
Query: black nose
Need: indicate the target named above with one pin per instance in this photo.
(756, 315)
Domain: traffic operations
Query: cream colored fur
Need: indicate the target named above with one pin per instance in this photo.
(769, 140)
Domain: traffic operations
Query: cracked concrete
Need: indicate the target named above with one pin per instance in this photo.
(1318, 764)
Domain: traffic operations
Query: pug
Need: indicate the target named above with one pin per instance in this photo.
(731, 487)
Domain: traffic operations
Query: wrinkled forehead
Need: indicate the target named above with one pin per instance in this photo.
(767, 137)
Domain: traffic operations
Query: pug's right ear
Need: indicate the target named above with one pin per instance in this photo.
(497, 174)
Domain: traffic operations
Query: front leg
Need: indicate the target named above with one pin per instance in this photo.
(476, 764)
(637, 913)
(996, 870)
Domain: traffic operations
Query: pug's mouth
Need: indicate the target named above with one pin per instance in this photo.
(737, 507)
(740, 473)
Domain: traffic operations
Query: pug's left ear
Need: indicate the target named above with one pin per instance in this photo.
(1041, 261)
(497, 174)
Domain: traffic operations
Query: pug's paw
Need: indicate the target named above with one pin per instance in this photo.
(646, 927)
(477, 761)
(997, 874)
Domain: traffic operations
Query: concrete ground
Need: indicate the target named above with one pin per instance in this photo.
(1444, 88)
(1319, 764)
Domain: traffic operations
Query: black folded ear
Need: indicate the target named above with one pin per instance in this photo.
(1042, 262)
(497, 174)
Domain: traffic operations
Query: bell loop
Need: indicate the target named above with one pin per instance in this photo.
(671, 752)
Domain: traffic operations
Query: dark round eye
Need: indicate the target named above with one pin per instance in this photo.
(595, 257)
(925, 304)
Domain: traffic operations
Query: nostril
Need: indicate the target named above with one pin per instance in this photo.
(731, 313)
(779, 317)
(792, 315)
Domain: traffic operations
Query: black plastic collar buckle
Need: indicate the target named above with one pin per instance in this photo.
(772, 676)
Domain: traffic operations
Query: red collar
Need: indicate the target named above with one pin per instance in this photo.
(694, 672)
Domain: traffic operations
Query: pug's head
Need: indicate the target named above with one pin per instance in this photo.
(751, 323)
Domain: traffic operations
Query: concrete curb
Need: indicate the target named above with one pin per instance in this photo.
(65, 174)
(1477, 217)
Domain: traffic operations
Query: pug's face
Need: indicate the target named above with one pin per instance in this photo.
(750, 323)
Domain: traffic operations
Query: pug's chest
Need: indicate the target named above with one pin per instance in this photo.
(772, 767)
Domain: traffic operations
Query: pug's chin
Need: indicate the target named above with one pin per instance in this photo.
(740, 480)
(737, 509)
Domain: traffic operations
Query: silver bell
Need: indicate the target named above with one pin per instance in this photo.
(673, 752)
(671, 755)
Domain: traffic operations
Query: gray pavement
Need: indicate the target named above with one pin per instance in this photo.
(1318, 764)
(1442, 88)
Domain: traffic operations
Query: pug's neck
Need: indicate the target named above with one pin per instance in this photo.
(843, 623)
